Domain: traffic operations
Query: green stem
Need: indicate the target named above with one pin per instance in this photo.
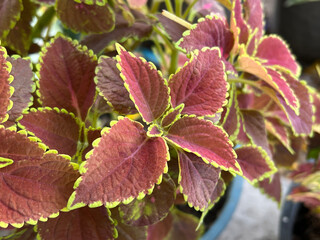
(174, 61)
(169, 6)
(155, 6)
(178, 6)
(164, 37)
(160, 52)
(244, 81)
(43, 22)
(186, 13)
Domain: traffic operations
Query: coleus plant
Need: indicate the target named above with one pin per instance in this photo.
(174, 132)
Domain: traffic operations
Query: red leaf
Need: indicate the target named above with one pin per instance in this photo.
(124, 165)
(255, 163)
(198, 180)
(66, 76)
(80, 224)
(36, 185)
(56, 128)
(173, 29)
(204, 139)
(201, 84)
(5, 79)
(254, 16)
(316, 104)
(213, 31)
(92, 134)
(111, 86)
(82, 17)
(145, 84)
(272, 188)
(171, 116)
(275, 52)
(161, 229)
(9, 15)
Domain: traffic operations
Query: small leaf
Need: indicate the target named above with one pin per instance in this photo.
(145, 84)
(201, 84)
(173, 29)
(56, 128)
(213, 31)
(275, 52)
(171, 116)
(5, 79)
(66, 76)
(80, 224)
(205, 140)
(36, 185)
(254, 16)
(124, 165)
(82, 17)
(111, 86)
(9, 15)
(272, 188)
(198, 180)
(153, 208)
(255, 163)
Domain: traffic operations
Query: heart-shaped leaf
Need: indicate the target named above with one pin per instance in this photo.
(66, 72)
(124, 165)
(80, 224)
(201, 84)
(205, 140)
(10, 12)
(36, 185)
(145, 84)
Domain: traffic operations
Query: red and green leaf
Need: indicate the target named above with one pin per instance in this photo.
(197, 180)
(271, 187)
(56, 128)
(66, 72)
(316, 104)
(80, 224)
(92, 135)
(125, 164)
(111, 86)
(153, 208)
(82, 17)
(172, 28)
(275, 52)
(201, 84)
(26, 232)
(36, 185)
(10, 12)
(5, 80)
(212, 31)
(145, 84)
(254, 16)
(255, 163)
(171, 116)
(205, 140)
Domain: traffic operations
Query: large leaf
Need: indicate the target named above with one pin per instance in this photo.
(255, 163)
(124, 165)
(111, 86)
(23, 86)
(56, 128)
(201, 84)
(10, 11)
(36, 185)
(274, 51)
(80, 224)
(198, 180)
(5, 79)
(145, 84)
(66, 76)
(152, 208)
(212, 31)
(82, 17)
(204, 139)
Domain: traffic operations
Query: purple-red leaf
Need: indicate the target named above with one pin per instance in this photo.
(254, 16)
(255, 163)
(274, 51)
(82, 17)
(198, 180)
(201, 84)
(36, 185)
(316, 104)
(111, 86)
(5, 79)
(145, 84)
(66, 76)
(271, 188)
(171, 116)
(204, 139)
(213, 31)
(56, 128)
(92, 134)
(125, 164)
(173, 29)
(9, 15)
(80, 224)
(152, 208)
(160, 230)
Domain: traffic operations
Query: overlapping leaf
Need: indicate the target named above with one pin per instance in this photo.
(5, 79)
(198, 180)
(272, 188)
(82, 17)
(255, 163)
(56, 128)
(145, 84)
(66, 72)
(124, 165)
(80, 224)
(111, 86)
(10, 12)
(254, 16)
(173, 29)
(171, 116)
(36, 185)
(201, 84)
(204, 139)
(213, 31)
(161, 229)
